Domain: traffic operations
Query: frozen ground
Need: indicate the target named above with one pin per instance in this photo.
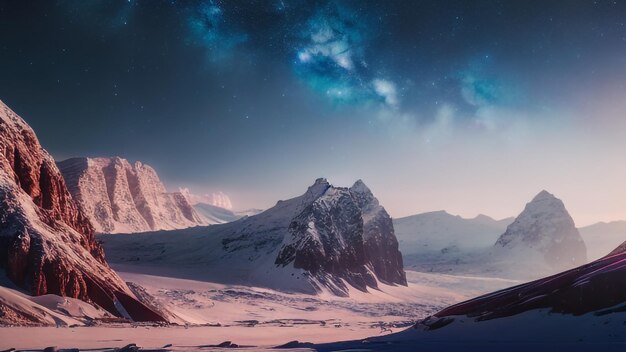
(536, 330)
(214, 313)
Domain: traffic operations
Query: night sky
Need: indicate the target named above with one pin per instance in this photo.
(468, 106)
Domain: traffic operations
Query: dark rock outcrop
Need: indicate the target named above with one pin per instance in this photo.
(46, 244)
(343, 234)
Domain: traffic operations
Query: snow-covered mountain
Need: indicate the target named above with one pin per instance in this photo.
(47, 245)
(602, 237)
(541, 241)
(328, 239)
(543, 233)
(120, 197)
(427, 235)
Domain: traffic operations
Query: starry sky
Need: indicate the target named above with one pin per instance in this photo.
(468, 106)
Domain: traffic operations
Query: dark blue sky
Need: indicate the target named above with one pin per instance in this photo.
(472, 106)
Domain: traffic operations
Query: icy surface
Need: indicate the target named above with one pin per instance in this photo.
(262, 317)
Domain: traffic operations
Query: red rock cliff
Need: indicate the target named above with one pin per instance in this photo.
(47, 246)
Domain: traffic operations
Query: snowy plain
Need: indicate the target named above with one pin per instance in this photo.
(211, 313)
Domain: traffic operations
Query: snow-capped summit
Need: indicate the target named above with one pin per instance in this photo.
(47, 245)
(545, 228)
(343, 234)
(120, 197)
(363, 195)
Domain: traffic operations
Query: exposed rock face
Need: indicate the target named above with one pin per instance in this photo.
(381, 245)
(118, 197)
(343, 233)
(546, 228)
(46, 244)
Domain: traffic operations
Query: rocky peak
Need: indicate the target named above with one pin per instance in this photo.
(343, 235)
(363, 195)
(319, 187)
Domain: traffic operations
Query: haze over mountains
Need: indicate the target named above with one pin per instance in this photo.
(541, 240)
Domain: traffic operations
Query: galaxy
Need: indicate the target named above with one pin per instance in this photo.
(259, 98)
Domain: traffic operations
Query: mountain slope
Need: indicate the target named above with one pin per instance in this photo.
(47, 246)
(319, 241)
(120, 197)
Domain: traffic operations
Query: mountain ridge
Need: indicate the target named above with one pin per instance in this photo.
(122, 197)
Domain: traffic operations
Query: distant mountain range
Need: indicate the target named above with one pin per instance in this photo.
(439, 231)
(542, 237)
